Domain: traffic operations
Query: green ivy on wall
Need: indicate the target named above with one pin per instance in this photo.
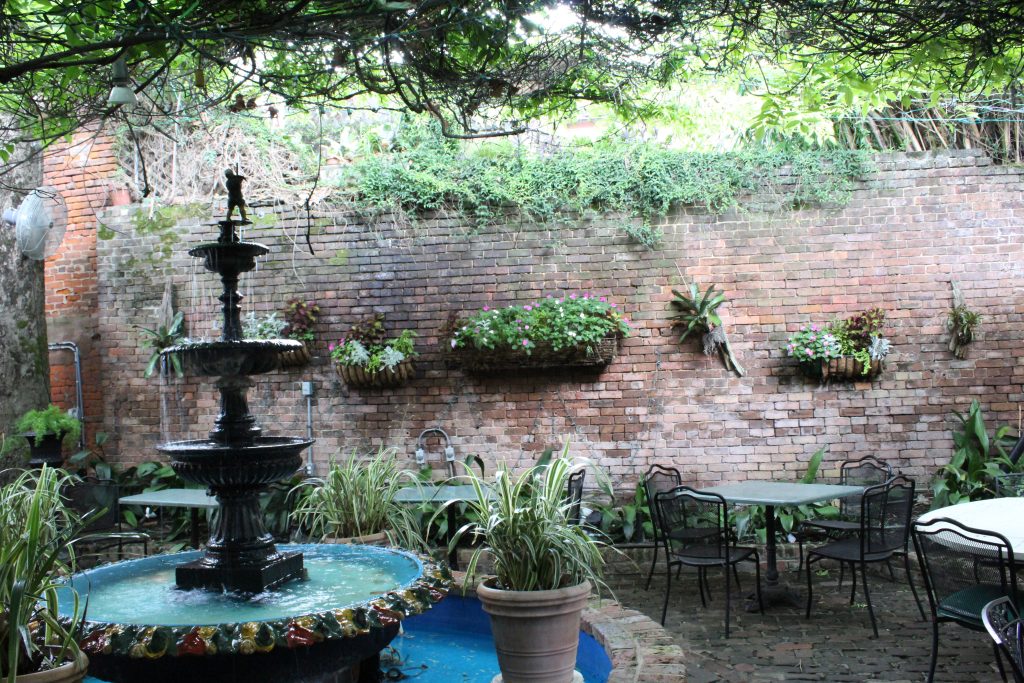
(638, 180)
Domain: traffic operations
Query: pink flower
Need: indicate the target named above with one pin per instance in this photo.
(614, 305)
(810, 353)
(572, 296)
(804, 328)
(487, 308)
(526, 342)
(527, 307)
(603, 299)
(625, 320)
(814, 328)
(812, 337)
(330, 347)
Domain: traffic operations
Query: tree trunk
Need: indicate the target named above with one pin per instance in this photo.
(24, 359)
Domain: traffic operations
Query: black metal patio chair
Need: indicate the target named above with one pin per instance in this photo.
(964, 569)
(883, 527)
(866, 471)
(658, 479)
(1003, 623)
(695, 533)
(95, 500)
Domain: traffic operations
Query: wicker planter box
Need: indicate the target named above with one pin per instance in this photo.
(297, 358)
(843, 368)
(360, 378)
(541, 356)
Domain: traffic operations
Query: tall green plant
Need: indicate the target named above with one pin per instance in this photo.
(36, 530)
(357, 498)
(977, 458)
(523, 523)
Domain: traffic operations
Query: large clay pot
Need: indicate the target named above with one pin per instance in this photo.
(72, 672)
(536, 633)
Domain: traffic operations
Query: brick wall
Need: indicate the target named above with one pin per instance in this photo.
(81, 171)
(914, 225)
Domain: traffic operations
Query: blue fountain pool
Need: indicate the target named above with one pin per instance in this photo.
(451, 643)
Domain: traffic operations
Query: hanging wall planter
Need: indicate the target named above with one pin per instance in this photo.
(296, 358)
(358, 377)
(578, 330)
(542, 356)
(852, 349)
(699, 313)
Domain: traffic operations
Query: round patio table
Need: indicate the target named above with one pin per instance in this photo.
(1004, 516)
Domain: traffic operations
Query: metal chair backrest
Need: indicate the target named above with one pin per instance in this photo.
(96, 500)
(1009, 484)
(866, 471)
(694, 522)
(574, 495)
(659, 479)
(1003, 623)
(956, 559)
(885, 516)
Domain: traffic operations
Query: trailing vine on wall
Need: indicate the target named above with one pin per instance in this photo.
(418, 171)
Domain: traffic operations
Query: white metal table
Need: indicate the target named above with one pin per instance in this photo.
(1004, 516)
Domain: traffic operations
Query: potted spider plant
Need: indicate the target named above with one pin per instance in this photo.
(36, 530)
(355, 503)
(47, 431)
(544, 569)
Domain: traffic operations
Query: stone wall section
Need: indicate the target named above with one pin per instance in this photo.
(914, 224)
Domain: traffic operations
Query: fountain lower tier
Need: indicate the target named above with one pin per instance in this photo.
(141, 628)
(240, 554)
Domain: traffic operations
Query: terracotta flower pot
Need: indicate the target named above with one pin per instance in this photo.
(536, 633)
(72, 672)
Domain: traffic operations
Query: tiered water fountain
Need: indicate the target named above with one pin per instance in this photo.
(243, 609)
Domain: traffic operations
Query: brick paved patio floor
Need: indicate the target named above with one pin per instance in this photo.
(835, 644)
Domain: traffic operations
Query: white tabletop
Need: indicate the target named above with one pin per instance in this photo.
(1002, 515)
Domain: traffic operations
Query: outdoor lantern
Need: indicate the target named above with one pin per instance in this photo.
(122, 92)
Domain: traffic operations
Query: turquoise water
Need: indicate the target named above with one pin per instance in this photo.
(143, 591)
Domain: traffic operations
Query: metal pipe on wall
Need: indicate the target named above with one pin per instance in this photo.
(79, 403)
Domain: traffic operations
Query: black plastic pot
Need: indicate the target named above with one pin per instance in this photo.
(47, 451)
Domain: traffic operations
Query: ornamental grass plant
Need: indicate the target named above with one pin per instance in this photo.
(524, 524)
(357, 498)
(36, 531)
(554, 322)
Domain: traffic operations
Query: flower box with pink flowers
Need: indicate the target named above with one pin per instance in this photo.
(851, 349)
(564, 330)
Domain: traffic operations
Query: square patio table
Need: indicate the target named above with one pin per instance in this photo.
(772, 494)
(195, 499)
(442, 493)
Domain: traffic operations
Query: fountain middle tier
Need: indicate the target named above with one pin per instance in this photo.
(235, 357)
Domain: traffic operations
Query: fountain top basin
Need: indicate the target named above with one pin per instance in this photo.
(134, 608)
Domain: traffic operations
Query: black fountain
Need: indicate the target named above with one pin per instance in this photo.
(243, 609)
(237, 462)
